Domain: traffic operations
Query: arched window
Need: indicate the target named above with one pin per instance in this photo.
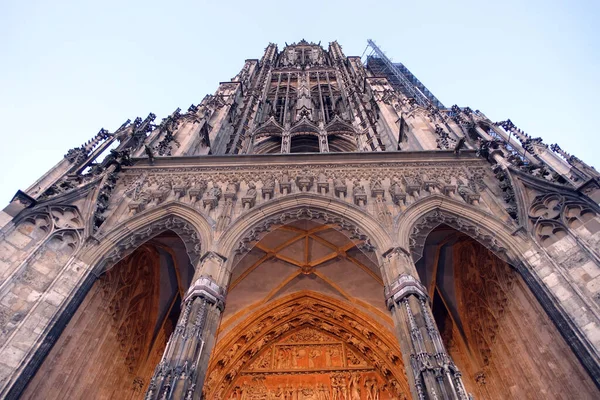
(340, 143)
(305, 144)
(268, 145)
(267, 138)
(341, 136)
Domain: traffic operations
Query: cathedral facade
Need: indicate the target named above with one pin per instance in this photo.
(321, 228)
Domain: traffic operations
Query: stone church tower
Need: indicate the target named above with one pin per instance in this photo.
(321, 228)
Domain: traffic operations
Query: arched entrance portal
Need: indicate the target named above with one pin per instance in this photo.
(115, 339)
(307, 346)
(493, 327)
(305, 319)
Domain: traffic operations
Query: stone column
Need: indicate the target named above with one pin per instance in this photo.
(181, 372)
(430, 371)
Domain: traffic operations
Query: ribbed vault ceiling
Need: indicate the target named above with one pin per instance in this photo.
(305, 256)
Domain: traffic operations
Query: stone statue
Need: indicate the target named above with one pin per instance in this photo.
(339, 185)
(251, 192)
(372, 389)
(355, 387)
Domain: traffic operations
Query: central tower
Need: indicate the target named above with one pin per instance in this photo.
(302, 99)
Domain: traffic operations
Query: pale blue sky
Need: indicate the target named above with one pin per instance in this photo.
(69, 68)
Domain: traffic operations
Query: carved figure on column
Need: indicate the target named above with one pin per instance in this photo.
(468, 193)
(231, 190)
(285, 186)
(355, 387)
(413, 185)
(360, 195)
(268, 189)
(212, 197)
(372, 388)
(339, 185)
(197, 189)
(304, 181)
(322, 183)
(397, 193)
(323, 392)
(250, 197)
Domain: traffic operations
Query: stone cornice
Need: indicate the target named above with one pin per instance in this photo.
(271, 160)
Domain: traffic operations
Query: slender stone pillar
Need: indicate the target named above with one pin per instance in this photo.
(430, 371)
(180, 374)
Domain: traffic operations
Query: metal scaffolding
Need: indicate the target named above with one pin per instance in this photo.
(399, 76)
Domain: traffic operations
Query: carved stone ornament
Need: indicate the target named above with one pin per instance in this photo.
(551, 215)
(184, 230)
(340, 187)
(305, 336)
(404, 285)
(304, 181)
(201, 187)
(249, 199)
(257, 232)
(208, 289)
(53, 218)
(398, 195)
(285, 185)
(434, 218)
(359, 193)
(322, 184)
(212, 197)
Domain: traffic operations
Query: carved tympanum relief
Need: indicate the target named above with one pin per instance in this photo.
(306, 348)
(309, 364)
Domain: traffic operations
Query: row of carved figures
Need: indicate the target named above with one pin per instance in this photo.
(342, 386)
(402, 191)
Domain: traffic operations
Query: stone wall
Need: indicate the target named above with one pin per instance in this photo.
(46, 260)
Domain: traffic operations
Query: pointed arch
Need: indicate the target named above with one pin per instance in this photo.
(107, 250)
(268, 145)
(337, 125)
(270, 128)
(188, 223)
(424, 215)
(513, 246)
(308, 206)
(242, 346)
(342, 143)
(305, 127)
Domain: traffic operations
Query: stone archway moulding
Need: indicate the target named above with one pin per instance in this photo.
(297, 311)
(432, 219)
(415, 224)
(350, 219)
(121, 240)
